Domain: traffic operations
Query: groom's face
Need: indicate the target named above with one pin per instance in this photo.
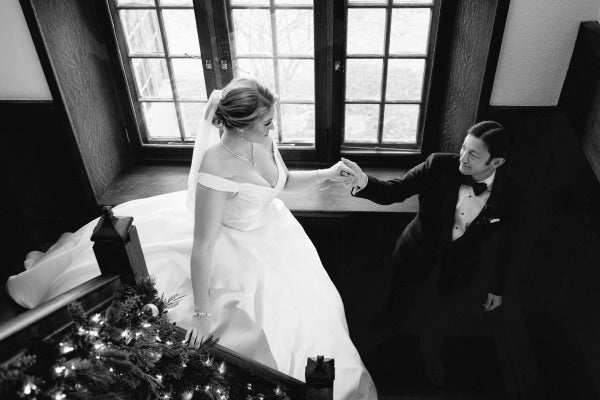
(475, 159)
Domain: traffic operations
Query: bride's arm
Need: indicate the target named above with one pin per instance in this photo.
(300, 180)
(207, 220)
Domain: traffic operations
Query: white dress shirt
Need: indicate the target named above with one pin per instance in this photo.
(469, 206)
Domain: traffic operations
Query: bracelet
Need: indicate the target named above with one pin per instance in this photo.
(319, 179)
(201, 314)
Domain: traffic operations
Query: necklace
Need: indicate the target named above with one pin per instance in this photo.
(250, 160)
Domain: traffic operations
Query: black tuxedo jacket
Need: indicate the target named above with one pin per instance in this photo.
(427, 240)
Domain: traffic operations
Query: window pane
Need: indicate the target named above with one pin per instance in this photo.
(298, 123)
(413, 2)
(188, 3)
(189, 78)
(363, 79)
(400, 123)
(182, 35)
(405, 79)
(383, 2)
(296, 80)
(161, 120)
(141, 31)
(192, 114)
(249, 2)
(366, 29)
(293, 2)
(252, 31)
(259, 68)
(295, 32)
(152, 78)
(362, 121)
(410, 30)
(135, 3)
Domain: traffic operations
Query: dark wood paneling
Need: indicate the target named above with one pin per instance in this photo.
(468, 56)
(13, 234)
(580, 97)
(76, 64)
(557, 285)
(38, 160)
(42, 175)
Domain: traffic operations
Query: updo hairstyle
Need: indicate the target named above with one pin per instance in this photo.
(244, 101)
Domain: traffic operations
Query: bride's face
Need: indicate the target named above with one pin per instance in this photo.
(258, 131)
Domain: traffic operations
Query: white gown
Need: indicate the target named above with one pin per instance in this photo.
(271, 298)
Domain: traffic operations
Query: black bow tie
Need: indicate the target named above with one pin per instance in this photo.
(478, 187)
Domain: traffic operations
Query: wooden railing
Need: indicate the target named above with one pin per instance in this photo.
(121, 260)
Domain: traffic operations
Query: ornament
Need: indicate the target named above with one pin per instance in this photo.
(150, 310)
(154, 356)
(28, 388)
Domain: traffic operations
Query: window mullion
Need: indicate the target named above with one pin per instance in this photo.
(339, 20)
(208, 44)
(325, 143)
(276, 66)
(386, 53)
(219, 24)
(163, 35)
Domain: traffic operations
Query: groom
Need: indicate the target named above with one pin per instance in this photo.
(462, 202)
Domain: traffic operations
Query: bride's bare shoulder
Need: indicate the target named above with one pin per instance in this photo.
(216, 162)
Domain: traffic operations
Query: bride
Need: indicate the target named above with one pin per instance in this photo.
(257, 281)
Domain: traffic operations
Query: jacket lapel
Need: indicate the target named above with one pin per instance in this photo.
(449, 203)
(491, 206)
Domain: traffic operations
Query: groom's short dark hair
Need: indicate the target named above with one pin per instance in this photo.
(494, 136)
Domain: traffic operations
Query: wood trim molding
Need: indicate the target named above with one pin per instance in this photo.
(73, 54)
(52, 317)
(47, 67)
(580, 97)
(495, 43)
(466, 60)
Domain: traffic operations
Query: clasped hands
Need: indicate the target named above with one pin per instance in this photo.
(344, 171)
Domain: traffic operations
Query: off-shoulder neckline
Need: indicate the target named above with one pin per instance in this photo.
(255, 184)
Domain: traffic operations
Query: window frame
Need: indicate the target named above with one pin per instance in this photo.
(379, 147)
(159, 149)
(329, 33)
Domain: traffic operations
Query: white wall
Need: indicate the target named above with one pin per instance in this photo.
(536, 49)
(21, 75)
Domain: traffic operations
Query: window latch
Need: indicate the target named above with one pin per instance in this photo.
(337, 66)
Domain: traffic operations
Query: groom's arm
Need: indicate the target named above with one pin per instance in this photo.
(399, 189)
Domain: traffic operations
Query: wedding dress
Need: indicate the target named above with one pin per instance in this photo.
(271, 298)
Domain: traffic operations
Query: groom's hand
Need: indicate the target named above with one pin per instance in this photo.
(361, 179)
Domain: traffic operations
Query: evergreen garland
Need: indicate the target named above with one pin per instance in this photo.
(129, 352)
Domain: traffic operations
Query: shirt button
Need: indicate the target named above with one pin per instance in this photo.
(469, 195)
(456, 227)
(462, 213)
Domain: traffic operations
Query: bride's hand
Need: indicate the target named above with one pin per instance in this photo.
(339, 172)
(199, 331)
